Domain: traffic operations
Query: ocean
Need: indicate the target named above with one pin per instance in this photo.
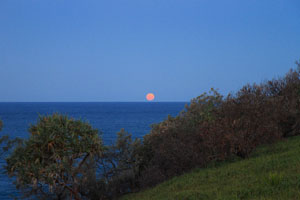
(108, 117)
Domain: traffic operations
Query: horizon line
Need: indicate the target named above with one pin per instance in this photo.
(94, 101)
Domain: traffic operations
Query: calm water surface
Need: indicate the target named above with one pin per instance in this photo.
(109, 118)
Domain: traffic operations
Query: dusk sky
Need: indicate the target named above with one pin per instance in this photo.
(119, 50)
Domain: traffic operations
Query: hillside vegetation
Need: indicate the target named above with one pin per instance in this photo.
(271, 172)
(72, 162)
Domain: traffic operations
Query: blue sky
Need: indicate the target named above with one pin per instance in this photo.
(119, 50)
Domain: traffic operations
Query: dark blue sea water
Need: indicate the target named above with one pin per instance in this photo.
(109, 118)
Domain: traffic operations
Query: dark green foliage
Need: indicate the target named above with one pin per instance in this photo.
(118, 166)
(50, 164)
(214, 128)
(176, 145)
(124, 159)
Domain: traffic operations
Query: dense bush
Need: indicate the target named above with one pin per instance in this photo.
(214, 128)
(176, 144)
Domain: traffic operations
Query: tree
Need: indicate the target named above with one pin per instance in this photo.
(3, 139)
(7, 144)
(117, 169)
(120, 164)
(51, 162)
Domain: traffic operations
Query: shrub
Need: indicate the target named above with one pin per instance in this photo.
(250, 118)
(176, 145)
(214, 128)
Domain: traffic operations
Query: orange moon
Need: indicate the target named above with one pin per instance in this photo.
(150, 96)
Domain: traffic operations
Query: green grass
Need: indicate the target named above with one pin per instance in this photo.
(271, 172)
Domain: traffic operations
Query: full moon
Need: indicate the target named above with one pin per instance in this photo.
(150, 96)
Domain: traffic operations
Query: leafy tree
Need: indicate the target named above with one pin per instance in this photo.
(123, 159)
(117, 169)
(50, 164)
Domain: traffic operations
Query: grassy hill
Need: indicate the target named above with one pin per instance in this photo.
(271, 172)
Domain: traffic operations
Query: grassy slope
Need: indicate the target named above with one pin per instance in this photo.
(272, 172)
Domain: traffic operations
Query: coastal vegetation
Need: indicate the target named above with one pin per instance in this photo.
(64, 158)
(271, 172)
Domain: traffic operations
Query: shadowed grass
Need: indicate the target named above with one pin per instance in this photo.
(271, 172)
